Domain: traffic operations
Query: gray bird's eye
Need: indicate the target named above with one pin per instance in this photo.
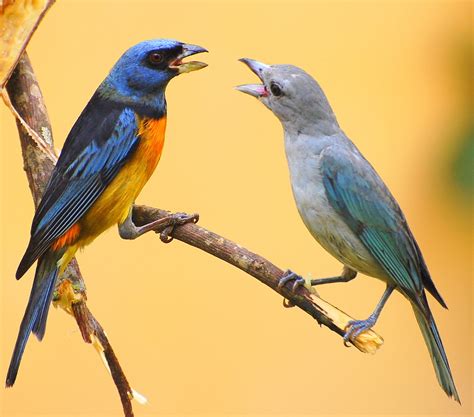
(275, 89)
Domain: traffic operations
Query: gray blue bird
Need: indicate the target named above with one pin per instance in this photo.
(345, 204)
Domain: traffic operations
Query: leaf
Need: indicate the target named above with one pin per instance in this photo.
(18, 21)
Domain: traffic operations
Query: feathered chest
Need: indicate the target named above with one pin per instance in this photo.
(152, 137)
(319, 216)
(114, 203)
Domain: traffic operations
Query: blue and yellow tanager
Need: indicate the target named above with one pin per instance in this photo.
(345, 204)
(109, 155)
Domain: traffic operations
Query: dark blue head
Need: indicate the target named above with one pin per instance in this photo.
(140, 76)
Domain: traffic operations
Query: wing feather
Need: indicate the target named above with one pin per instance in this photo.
(97, 147)
(361, 198)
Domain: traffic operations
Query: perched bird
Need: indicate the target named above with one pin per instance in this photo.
(345, 204)
(109, 155)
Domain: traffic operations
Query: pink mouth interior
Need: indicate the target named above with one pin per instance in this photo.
(262, 91)
(176, 63)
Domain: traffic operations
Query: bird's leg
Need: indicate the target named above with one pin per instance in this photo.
(347, 275)
(356, 327)
(164, 226)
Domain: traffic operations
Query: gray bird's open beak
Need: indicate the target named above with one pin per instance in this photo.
(255, 90)
(188, 50)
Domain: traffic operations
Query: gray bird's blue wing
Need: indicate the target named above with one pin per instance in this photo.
(361, 198)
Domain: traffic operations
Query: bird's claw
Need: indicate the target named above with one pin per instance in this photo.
(298, 282)
(177, 219)
(291, 276)
(355, 327)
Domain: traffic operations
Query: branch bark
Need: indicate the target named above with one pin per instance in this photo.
(70, 292)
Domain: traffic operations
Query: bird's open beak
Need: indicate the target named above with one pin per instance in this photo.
(188, 50)
(255, 90)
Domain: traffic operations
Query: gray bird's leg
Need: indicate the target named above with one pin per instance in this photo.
(164, 226)
(347, 275)
(356, 327)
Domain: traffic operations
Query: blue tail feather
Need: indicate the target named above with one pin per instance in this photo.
(39, 327)
(437, 352)
(36, 313)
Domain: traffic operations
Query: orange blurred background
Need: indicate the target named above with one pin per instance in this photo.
(193, 334)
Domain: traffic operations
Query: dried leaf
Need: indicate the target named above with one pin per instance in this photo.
(18, 20)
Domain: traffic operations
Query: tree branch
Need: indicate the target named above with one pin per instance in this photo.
(265, 271)
(70, 293)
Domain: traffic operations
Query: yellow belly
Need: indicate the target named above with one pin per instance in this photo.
(113, 205)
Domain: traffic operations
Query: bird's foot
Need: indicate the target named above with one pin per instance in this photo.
(176, 219)
(355, 327)
(291, 276)
(164, 226)
(298, 282)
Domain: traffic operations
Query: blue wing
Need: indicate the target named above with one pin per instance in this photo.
(361, 198)
(96, 148)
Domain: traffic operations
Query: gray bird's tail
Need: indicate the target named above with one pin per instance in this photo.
(36, 313)
(437, 353)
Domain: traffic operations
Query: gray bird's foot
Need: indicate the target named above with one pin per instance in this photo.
(356, 327)
(164, 226)
(291, 276)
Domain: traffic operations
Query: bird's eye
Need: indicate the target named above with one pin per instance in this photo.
(275, 89)
(155, 58)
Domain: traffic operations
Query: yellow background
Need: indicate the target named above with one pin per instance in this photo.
(194, 334)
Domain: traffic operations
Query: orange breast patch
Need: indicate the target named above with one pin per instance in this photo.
(152, 134)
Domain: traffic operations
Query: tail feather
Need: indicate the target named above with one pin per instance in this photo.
(437, 353)
(39, 327)
(36, 313)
